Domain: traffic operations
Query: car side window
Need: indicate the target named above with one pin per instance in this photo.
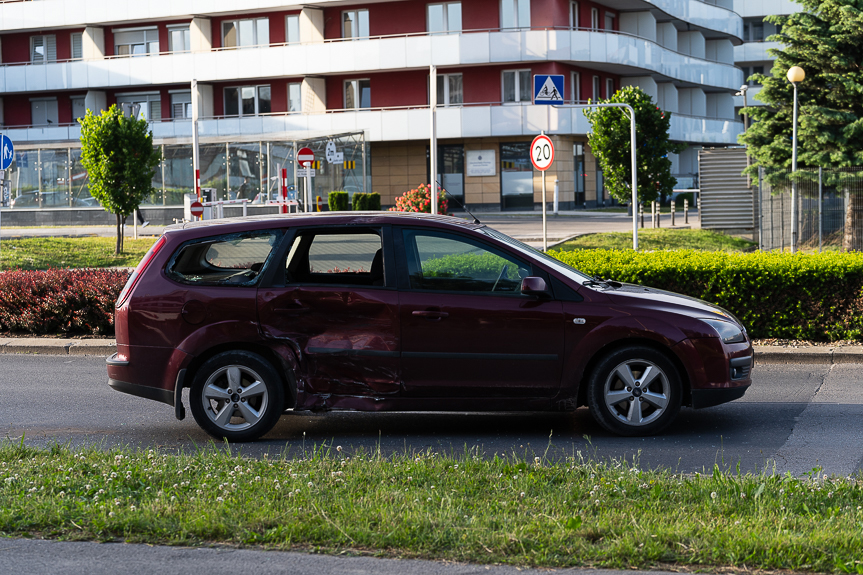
(230, 260)
(336, 258)
(446, 262)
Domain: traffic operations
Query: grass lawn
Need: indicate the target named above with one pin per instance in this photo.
(465, 508)
(86, 252)
(660, 239)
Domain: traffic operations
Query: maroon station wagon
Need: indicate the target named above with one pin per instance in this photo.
(406, 312)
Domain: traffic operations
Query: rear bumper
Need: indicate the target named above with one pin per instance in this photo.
(145, 391)
(702, 398)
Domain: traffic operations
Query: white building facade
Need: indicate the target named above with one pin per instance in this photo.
(271, 75)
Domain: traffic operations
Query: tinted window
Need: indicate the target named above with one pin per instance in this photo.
(438, 261)
(233, 259)
(336, 258)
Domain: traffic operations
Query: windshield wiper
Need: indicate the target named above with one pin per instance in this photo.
(598, 281)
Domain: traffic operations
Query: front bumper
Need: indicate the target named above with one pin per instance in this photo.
(702, 398)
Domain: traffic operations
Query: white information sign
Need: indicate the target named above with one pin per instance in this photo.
(305, 172)
(480, 163)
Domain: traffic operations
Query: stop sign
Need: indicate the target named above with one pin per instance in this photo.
(305, 156)
(196, 209)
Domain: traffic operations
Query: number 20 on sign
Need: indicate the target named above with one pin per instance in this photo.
(541, 152)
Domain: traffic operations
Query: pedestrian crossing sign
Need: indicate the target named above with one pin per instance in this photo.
(548, 89)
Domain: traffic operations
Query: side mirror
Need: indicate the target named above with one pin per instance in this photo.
(534, 286)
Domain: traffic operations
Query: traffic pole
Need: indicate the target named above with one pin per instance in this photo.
(284, 207)
(544, 215)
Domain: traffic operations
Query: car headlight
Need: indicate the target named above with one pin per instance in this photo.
(728, 332)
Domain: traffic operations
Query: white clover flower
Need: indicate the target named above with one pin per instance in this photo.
(87, 486)
(742, 496)
(713, 495)
(61, 494)
(521, 494)
(339, 448)
(111, 514)
(132, 508)
(219, 499)
(173, 498)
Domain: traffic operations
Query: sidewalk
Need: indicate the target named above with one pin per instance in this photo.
(824, 354)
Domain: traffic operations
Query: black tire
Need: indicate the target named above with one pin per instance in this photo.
(612, 402)
(252, 408)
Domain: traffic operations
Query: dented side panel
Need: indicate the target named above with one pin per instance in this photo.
(347, 337)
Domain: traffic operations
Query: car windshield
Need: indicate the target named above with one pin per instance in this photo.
(558, 265)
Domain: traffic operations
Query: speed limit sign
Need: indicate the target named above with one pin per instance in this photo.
(542, 153)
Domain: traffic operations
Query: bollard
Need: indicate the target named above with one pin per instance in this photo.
(658, 213)
(685, 211)
(641, 213)
(245, 208)
(653, 214)
(672, 212)
(556, 195)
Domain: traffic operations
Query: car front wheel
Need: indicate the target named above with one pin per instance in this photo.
(634, 391)
(237, 396)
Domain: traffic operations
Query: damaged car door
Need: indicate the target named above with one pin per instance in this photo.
(336, 302)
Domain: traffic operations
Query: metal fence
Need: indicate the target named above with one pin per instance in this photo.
(829, 210)
(53, 177)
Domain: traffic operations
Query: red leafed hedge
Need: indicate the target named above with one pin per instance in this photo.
(70, 301)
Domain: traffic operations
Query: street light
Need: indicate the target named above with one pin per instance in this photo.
(742, 92)
(795, 75)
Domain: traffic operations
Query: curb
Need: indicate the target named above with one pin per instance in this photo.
(764, 354)
(57, 346)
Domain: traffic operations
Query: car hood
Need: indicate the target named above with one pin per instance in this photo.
(668, 301)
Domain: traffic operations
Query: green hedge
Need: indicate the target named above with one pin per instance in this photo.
(801, 296)
(338, 201)
(362, 202)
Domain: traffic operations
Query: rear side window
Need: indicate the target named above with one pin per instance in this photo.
(229, 260)
(332, 258)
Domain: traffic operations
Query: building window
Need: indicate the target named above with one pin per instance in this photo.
(79, 107)
(516, 86)
(516, 175)
(596, 93)
(358, 94)
(77, 40)
(149, 105)
(292, 28)
(295, 92)
(181, 105)
(753, 31)
(355, 24)
(138, 42)
(515, 14)
(43, 49)
(43, 112)
(580, 173)
(450, 166)
(573, 15)
(609, 21)
(248, 100)
(609, 88)
(252, 32)
(444, 17)
(576, 87)
(449, 89)
(179, 39)
(594, 18)
(749, 71)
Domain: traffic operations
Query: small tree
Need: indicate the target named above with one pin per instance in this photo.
(120, 159)
(610, 142)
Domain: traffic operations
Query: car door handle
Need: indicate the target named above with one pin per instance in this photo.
(430, 314)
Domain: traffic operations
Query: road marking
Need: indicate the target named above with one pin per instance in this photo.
(827, 432)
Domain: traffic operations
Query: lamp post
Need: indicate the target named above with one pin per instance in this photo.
(795, 76)
(742, 92)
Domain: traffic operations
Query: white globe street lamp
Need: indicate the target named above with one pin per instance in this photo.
(795, 75)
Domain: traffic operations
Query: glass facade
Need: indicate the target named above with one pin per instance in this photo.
(516, 176)
(54, 177)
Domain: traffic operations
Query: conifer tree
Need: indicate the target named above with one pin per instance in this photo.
(825, 39)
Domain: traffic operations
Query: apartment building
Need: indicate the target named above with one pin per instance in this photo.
(752, 56)
(272, 75)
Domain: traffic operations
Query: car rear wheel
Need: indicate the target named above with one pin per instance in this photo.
(237, 396)
(634, 391)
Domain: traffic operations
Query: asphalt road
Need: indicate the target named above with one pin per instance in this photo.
(793, 418)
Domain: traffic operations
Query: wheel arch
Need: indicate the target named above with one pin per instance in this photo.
(614, 346)
(284, 369)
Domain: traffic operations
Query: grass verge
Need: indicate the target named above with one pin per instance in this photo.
(660, 239)
(466, 508)
(86, 252)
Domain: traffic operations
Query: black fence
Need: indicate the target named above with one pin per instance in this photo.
(829, 210)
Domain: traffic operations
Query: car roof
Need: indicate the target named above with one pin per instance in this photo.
(228, 225)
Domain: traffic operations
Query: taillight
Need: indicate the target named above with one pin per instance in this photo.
(136, 275)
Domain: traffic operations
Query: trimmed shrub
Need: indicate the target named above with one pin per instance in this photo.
(70, 301)
(419, 200)
(801, 296)
(366, 202)
(338, 201)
